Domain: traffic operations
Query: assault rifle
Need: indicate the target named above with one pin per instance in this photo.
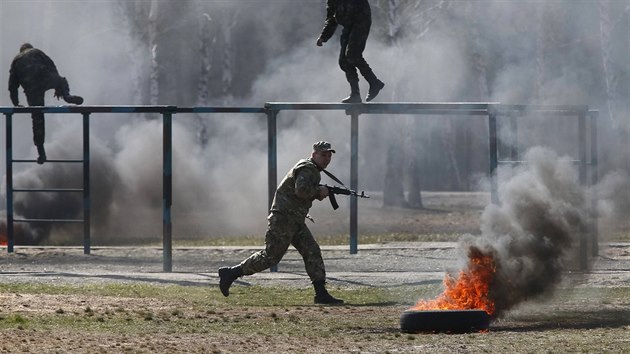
(332, 190)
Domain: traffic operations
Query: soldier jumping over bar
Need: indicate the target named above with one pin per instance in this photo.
(36, 73)
(356, 18)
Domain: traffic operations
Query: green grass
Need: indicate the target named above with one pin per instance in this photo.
(210, 296)
(194, 309)
(584, 319)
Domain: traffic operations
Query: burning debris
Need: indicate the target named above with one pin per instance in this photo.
(519, 253)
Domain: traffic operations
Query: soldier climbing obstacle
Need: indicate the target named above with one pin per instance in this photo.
(356, 18)
(36, 73)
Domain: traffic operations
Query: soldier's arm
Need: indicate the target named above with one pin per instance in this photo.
(307, 184)
(14, 84)
(330, 25)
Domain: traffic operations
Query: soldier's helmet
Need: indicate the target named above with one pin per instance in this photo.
(25, 47)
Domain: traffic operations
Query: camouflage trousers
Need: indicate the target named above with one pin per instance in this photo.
(39, 125)
(353, 40)
(282, 231)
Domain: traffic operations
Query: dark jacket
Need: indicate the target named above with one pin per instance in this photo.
(345, 13)
(35, 72)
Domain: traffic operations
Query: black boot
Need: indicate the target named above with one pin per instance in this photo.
(42, 154)
(63, 91)
(355, 94)
(376, 86)
(322, 296)
(227, 275)
(73, 99)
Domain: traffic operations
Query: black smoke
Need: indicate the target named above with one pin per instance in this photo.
(543, 211)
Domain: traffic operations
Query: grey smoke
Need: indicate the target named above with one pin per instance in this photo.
(221, 187)
(613, 202)
(542, 212)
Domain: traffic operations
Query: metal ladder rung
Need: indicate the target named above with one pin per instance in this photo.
(47, 190)
(50, 220)
(47, 161)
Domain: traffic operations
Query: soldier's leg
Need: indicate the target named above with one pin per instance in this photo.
(354, 55)
(277, 240)
(62, 90)
(350, 70)
(39, 124)
(311, 253)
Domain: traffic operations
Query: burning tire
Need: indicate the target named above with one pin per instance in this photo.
(456, 321)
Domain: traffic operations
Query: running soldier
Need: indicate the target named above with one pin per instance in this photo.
(36, 73)
(356, 18)
(291, 203)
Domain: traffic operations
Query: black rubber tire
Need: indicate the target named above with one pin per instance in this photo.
(453, 321)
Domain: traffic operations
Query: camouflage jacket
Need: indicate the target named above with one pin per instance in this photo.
(34, 71)
(344, 12)
(295, 194)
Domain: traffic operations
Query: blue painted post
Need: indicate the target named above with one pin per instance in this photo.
(582, 173)
(86, 184)
(272, 161)
(594, 180)
(167, 191)
(494, 158)
(354, 180)
(9, 172)
(514, 137)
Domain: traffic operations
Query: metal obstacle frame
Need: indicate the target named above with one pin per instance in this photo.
(492, 110)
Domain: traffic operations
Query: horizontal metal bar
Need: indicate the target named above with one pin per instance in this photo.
(130, 109)
(379, 107)
(89, 109)
(555, 109)
(393, 107)
(48, 161)
(47, 190)
(507, 162)
(220, 110)
(474, 112)
(49, 220)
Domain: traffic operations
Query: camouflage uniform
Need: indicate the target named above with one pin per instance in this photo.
(356, 18)
(286, 225)
(36, 73)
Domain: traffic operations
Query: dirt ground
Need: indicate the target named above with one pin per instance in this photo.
(391, 265)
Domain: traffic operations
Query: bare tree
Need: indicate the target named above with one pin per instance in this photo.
(154, 76)
(404, 20)
(610, 78)
(206, 40)
(124, 20)
(230, 22)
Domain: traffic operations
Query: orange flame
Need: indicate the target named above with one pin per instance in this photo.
(469, 290)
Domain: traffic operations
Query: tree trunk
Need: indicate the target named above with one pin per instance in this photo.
(154, 76)
(393, 193)
(227, 75)
(605, 27)
(203, 86)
